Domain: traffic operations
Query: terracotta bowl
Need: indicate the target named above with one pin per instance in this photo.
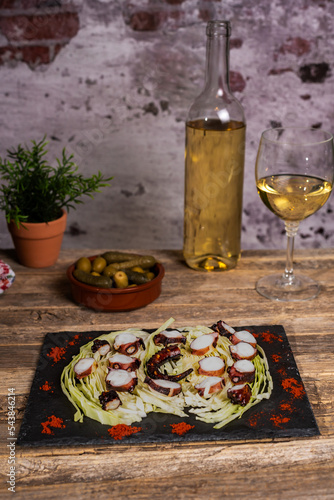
(113, 299)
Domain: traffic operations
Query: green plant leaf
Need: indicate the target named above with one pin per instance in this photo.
(34, 191)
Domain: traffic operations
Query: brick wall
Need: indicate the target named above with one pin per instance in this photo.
(113, 80)
(34, 31)
(153, 15)
(160, 15)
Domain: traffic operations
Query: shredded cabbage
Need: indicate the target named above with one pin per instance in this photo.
(213, 409)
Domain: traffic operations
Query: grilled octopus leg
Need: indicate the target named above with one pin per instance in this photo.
(162, 357)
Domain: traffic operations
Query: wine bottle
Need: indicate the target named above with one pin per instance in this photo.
(214, 164)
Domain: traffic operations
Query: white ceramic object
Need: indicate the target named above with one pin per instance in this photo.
(7, 276)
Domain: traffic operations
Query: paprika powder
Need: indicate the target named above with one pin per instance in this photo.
(119, 431)
(279, 420)
(46, 387)
(294, 387)
(57, 353)
(52, 421)
(181, 428)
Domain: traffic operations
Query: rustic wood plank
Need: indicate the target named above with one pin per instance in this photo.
(17, 379)
(317, 484)
(248, 310)
(248, 270)
(150, 462)
(40, 302)
(243, 276)
(20, 404)
(193, 296)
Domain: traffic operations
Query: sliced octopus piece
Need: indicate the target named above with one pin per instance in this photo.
(240, 394)
(243, 336)
(242, 350)
(101, 346)
(209, 385)
(169, 337)
(161, 357)
(84, 367)
(201, 345)
(213, 366)
(127, 343)
(166, 387)
(109, 400)
(223, 329)
(242, 371)
(123, 362)
(121, 380)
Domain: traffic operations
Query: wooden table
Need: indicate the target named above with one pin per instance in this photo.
(40, 302)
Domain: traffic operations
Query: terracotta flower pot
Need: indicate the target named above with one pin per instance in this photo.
(38, 244)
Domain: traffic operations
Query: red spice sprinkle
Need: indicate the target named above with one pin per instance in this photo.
(52, 421)
(296, 388)
(75, 339)
(276, 357)
(286, 407)
(181, 428)
(279, 420)
(119, 431)
(282, 371)
(253, 420)
(46, 387)
(57, 353)
(270, 337)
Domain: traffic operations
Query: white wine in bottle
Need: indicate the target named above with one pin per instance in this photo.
(214, 180)
(214, 165)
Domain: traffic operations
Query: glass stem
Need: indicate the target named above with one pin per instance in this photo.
(291, 229)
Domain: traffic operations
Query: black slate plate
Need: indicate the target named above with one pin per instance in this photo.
(286, 414)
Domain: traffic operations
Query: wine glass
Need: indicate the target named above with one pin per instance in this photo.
(294, 178)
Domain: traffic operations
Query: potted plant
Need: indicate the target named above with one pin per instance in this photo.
(36, 197)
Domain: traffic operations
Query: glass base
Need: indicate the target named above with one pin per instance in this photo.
(275, 287)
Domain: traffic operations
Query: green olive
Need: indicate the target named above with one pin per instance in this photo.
(109, 271)
(84, 264)
(150, 275)
(99, 263)
(120, 279)
(137, 269)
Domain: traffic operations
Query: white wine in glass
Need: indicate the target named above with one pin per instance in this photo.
(294, 178)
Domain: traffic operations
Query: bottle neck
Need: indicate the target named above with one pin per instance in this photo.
(216, 99)
(217, 67)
